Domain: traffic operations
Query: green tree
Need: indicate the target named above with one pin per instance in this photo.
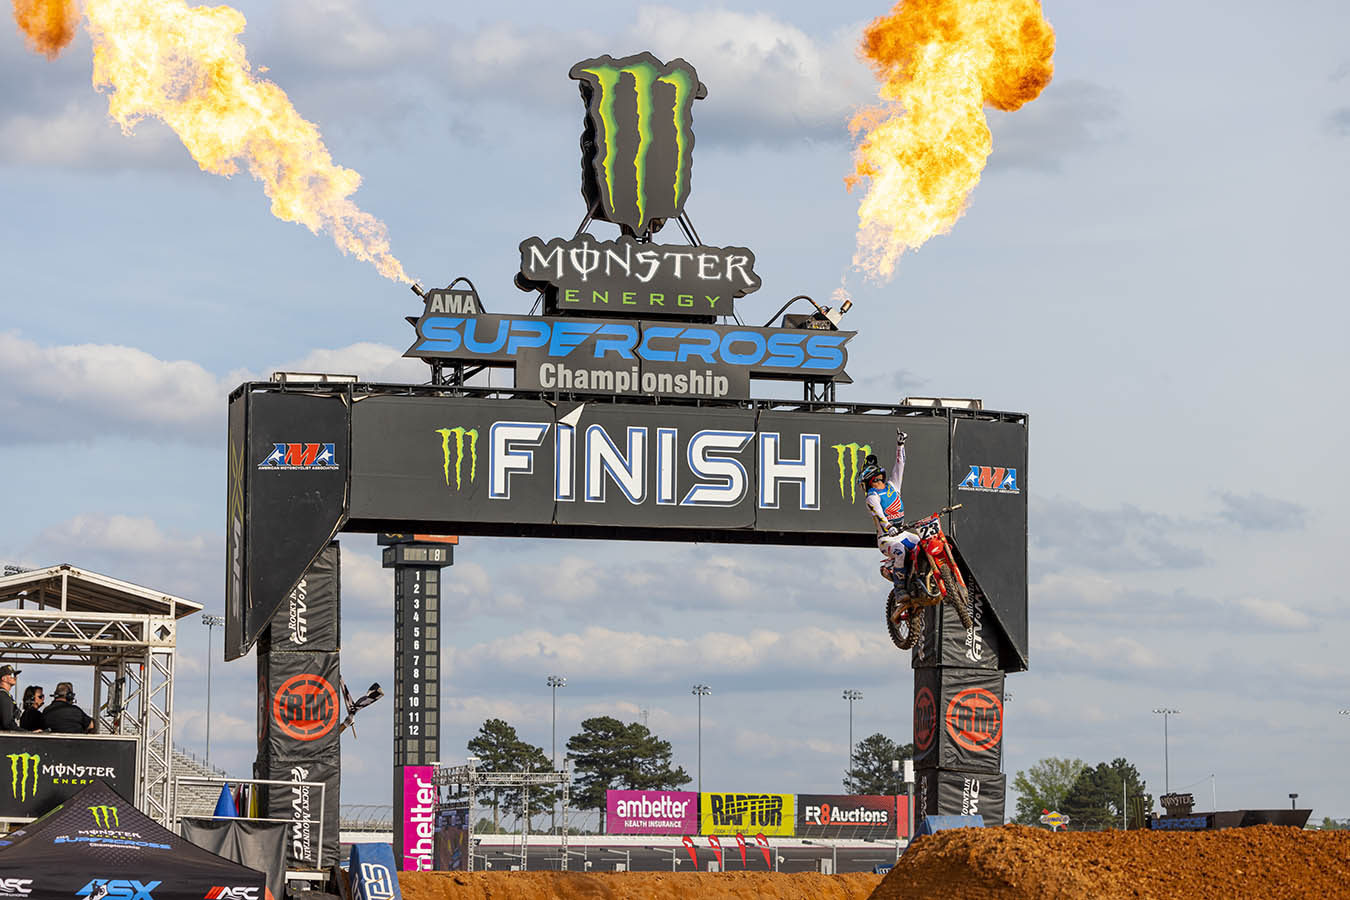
(500, 749)
(1330, 824)
(1095, 801)
(872, 771)
(1044, 786)
(610, 755)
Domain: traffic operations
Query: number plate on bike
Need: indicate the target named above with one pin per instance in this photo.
(929, 528)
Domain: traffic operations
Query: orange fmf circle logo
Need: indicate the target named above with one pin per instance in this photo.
(305, 707)
(975, 719)
(925, 719)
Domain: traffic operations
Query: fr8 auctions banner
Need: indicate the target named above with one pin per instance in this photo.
(958, 719)
(769, 814)
(944, 793)
(846, 816)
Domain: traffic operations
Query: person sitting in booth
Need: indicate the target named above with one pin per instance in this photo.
(63, 716)
(9, 714)
(32, 719)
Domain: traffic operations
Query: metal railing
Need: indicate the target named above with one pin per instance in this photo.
(221, 782)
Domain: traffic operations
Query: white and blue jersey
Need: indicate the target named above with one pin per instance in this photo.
(888, 510)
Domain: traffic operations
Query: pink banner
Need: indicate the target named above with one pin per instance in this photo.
(419, 819)
(651, 812)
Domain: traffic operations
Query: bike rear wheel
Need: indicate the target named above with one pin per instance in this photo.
(958, 596)
(903, 624)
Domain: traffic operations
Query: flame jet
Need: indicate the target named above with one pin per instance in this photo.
(921, 153)
(185, 66)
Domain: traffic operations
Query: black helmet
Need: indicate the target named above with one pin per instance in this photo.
(870, 470)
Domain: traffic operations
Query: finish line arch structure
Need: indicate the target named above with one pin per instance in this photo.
(309, 462)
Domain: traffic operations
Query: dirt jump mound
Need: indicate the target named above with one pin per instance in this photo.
(633, 886)
(1020, 863)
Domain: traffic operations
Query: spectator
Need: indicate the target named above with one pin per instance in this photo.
(32, 719)
(9, 718)
(63, 716)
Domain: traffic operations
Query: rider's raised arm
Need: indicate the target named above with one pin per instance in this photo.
(898, 473)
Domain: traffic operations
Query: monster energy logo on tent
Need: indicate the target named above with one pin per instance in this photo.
(20, 765)
(459, 434)
(105, 817)
(852, 454)
(637, 149)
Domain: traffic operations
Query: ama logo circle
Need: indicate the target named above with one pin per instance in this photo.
(305, 707)
(925, 719)
(975, 719)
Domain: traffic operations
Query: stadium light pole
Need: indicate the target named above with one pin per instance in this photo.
(1165, 712)
(850, 696)
(700, 691)
(555, 682)
(211, 623)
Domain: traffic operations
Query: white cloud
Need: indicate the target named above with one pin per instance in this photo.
(111, 389)
(1276, 613)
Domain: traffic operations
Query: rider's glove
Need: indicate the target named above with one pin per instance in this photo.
(900, 438)
(892, 531)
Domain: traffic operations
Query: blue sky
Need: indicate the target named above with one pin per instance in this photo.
(1152, 268)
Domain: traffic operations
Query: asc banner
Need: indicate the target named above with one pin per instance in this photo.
(772, 815)
(44, 770)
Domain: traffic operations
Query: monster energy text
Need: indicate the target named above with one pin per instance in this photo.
(624, 277)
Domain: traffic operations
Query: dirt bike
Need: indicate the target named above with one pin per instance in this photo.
(932, 576)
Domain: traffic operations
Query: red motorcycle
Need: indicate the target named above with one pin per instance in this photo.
(932, 576)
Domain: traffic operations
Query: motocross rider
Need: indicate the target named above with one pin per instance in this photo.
(888, 511)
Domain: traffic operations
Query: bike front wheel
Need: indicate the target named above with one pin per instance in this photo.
(904, 621)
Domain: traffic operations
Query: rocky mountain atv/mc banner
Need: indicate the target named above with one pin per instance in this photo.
(638, 143)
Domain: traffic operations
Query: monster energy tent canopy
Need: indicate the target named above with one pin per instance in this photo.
(98, 844)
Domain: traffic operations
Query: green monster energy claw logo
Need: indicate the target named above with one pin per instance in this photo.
(459, 434)
(105, 817)
(851, 453)
(20, 765)
(639, 139)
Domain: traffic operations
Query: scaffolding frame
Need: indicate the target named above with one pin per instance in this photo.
(63, 615)
(469, 778)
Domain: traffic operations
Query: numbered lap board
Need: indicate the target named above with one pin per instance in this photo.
(417, 646)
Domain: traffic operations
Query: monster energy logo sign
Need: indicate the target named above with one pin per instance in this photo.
(105, 817)
(848, 456)
(460, 434)
(23, 767)
(639, 140)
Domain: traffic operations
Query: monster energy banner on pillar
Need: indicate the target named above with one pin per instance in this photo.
(308, 619)
(942, 792)
(958, 719)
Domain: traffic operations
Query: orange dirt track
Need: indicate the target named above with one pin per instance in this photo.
(1008, 863)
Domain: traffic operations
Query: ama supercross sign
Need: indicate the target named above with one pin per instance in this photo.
(638, 146)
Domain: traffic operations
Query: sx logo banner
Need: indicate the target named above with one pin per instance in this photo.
(639, 139)
(23, 768)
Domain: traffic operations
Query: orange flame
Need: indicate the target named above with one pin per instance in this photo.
(48, 25)
(186, 67)
(940, 62)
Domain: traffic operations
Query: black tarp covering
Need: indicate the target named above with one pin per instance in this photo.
(261, 843)
(98, 842)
